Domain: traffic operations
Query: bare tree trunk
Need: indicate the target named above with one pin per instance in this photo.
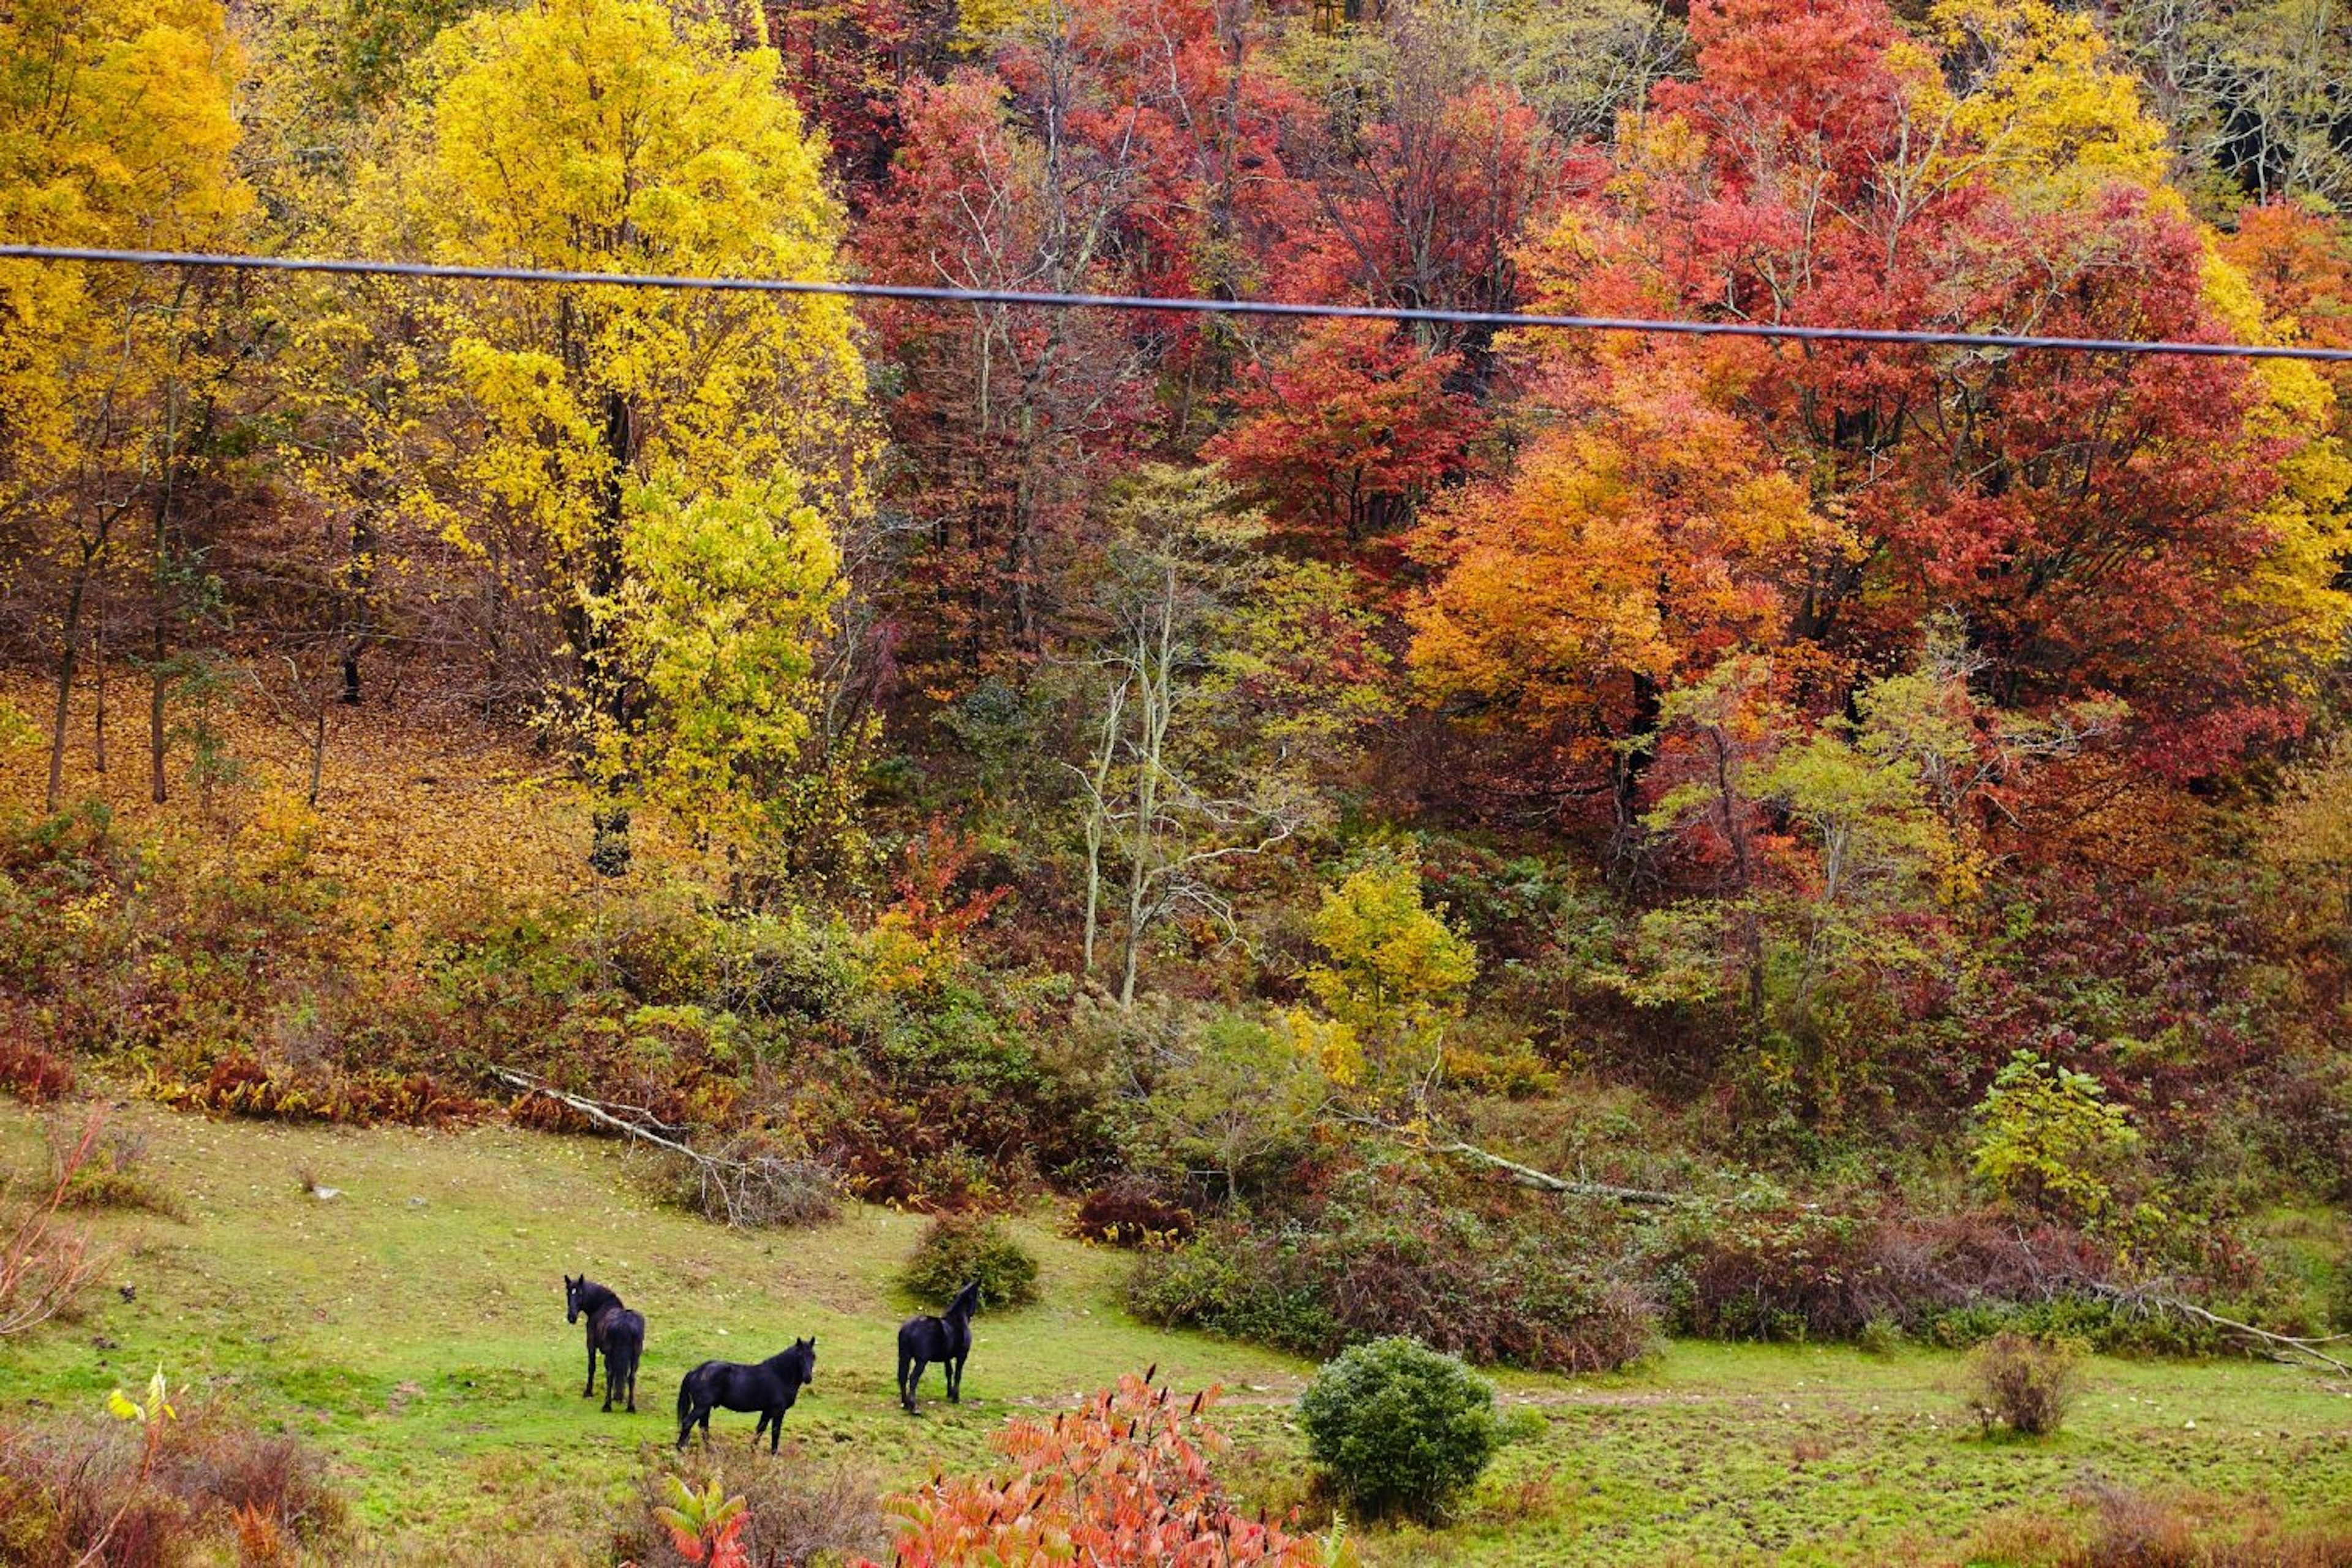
(359, 581)
(606, 693)
(158, 694)
(1152, 688)
(65, 656)
(159, 653)
(318, 754)
(98, 671)
(1098, 818)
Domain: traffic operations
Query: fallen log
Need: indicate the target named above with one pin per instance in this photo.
(2289, 1350)
(744, 1192)
(1527, 1175)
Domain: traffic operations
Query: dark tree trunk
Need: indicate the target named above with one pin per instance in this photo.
(606, 686)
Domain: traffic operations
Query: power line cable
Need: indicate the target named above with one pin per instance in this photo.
(1193, 306)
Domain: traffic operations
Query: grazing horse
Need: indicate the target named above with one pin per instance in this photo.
(611, 1328)
(946, 1339)
(770, 1388)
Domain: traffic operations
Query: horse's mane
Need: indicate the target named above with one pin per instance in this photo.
(595, 1298)
(968, 1298)
(801, 1357)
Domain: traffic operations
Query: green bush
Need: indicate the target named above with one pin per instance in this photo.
(2339, 1302)
(959, 1248)
(1880, 1336)
(2024, 1383)
(1393, 1248)
(1396, 1427)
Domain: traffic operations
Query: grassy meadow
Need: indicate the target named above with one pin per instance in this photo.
(411, 1327)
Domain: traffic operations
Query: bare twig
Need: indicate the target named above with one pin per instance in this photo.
(45, 1264)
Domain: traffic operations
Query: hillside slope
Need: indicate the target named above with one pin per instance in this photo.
(411, 1327)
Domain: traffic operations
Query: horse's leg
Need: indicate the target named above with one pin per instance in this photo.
(905, 1398)
(775, 1429)
(633, 1379)
(611, 1371)
(706, 1426)
(914, 1382)
(590, 1391)
(685, 1426)
(955, 1381)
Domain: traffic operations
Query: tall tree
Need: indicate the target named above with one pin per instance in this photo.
(619, 454)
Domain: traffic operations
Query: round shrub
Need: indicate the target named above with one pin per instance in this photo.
(1396, 1427)
(957, 1249)
(2024, 1382)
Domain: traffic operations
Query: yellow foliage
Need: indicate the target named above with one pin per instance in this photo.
(415, 806)
(1333, 1047)
(980, 23)
(2053, 117)
(115, 129)
(679, 461)
(2294, 592)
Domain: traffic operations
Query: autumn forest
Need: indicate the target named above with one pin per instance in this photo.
(1420, 862)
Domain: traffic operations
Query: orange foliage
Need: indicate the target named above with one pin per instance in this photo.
(418, 803)
(1124, 1480)
(1639, 545)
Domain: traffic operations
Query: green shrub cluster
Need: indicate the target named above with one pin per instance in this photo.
(957, 1249)
(1397, 1427)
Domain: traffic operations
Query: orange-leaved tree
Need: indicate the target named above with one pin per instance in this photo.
(1126, 1478)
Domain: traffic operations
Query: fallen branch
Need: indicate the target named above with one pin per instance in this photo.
(2289, 1350)
(1527, 1175)
(598, 1112)
(763, 1189)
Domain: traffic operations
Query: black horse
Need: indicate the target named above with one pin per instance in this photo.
(946, 1339)
(611, 1328)
(769, 1388)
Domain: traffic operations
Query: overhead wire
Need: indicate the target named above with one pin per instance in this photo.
(1186, 305)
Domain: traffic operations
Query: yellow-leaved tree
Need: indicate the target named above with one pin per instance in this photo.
(115, 129)
(1394, 976)
(650, 479)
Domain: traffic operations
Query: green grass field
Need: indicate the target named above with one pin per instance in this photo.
(413, 1328)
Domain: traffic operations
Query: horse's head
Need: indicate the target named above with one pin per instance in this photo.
(966, 1302)
(804, 1352)
(572, 1288)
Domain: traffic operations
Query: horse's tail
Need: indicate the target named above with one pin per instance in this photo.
(686, 1395)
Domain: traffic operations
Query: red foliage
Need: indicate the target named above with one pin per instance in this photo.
(926, 905)
(1426, 207)
(848, 61)
(2094, 520)
(1129, 1214)
(1345, 437)
(1124, 1480)
(1753, 1274)
(32, 1074)
(240, 1085)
